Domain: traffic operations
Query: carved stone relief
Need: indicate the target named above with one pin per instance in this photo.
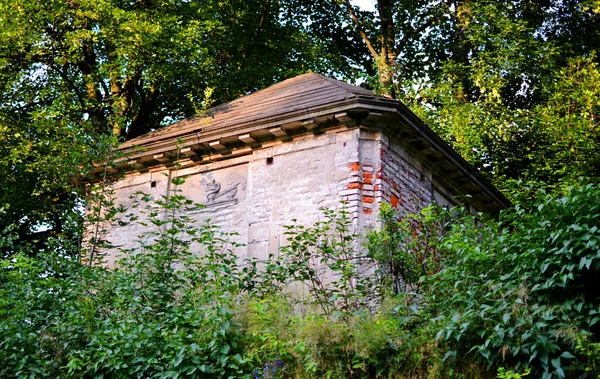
(217, 189)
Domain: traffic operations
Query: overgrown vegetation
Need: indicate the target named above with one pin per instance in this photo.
(512, 85)
(477, 298)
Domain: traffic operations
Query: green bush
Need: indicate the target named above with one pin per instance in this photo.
(163, 311)
(519, 292)
(453, 295)
(326, 258)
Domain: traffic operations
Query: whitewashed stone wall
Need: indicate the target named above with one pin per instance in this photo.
(257, 195)
(120, 233)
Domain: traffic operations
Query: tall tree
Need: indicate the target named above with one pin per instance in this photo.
(72, 72)
(130, 65)
(530, 108)
(484, 74)
(405, 40)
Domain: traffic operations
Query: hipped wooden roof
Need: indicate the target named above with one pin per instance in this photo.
(308, 103)
(297, 95)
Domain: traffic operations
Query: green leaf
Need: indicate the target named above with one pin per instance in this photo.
(225, 349)
(567, 355)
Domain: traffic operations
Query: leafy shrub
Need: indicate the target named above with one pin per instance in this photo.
(518, 292)
(406, 249)
(165, 310)
(326, 258)
(42, 312)
(455, 295)
(314, 345)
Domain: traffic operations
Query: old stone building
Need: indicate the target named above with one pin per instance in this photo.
(284, 152)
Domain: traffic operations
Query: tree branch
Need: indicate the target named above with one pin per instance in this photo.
(361, 31)
(263, 18)
(71, 84)
(420, 29)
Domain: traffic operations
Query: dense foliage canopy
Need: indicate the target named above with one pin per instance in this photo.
(512, 85)
(129, 65)
(73, 72)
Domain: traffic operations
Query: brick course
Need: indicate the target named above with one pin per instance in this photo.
(406, 187)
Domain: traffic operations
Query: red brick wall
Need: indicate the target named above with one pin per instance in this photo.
(385, 173)
(406, 186)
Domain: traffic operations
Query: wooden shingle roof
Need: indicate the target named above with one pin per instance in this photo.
(299, 94)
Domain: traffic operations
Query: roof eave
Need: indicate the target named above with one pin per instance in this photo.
(425, 143)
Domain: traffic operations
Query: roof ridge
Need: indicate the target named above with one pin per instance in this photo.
(255, 93)
(252, 94)
(342, 84)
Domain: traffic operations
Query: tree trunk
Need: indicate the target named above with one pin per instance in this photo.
(386, 64)
(460, 53)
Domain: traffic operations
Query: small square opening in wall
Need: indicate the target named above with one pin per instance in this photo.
(153, 184)
(270, 160)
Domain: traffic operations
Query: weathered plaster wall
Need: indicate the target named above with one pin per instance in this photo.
(256, 195)
(303, 176)
(119, 232)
